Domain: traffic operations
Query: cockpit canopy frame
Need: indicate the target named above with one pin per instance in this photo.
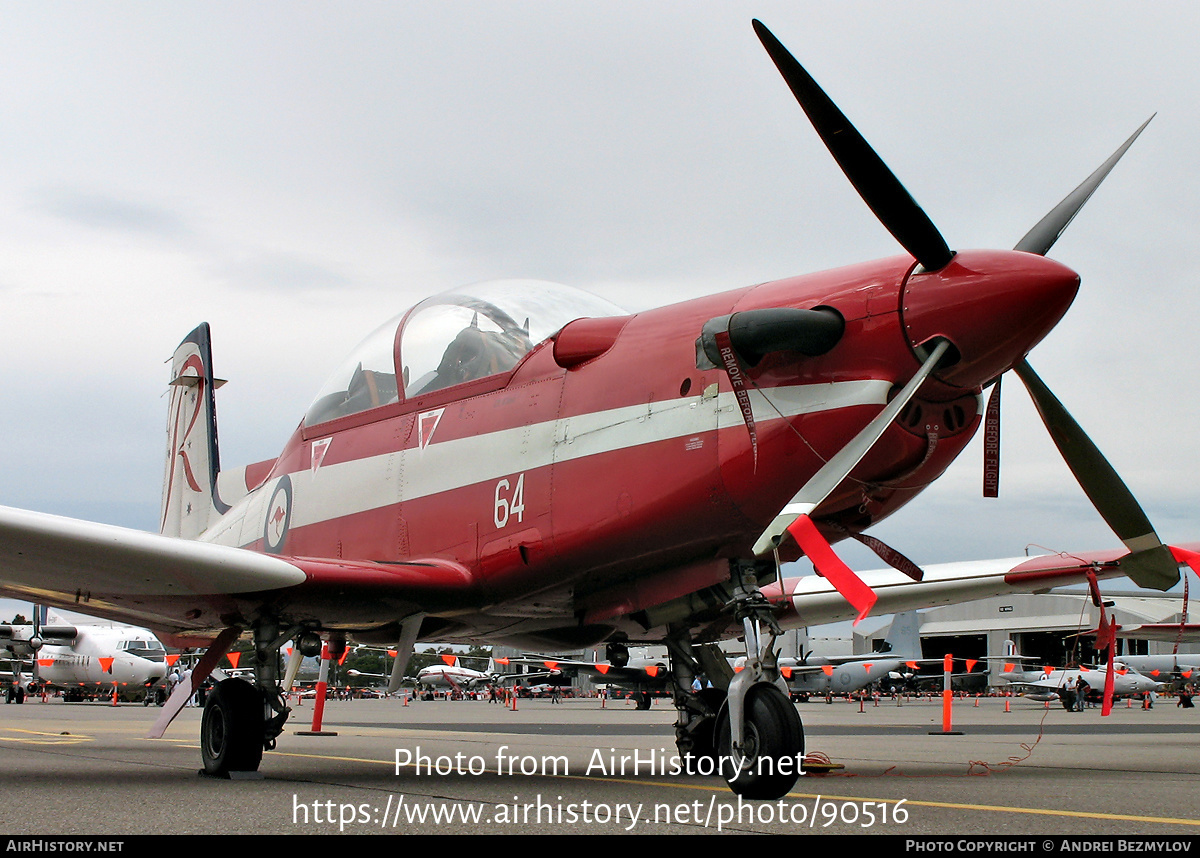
(450, 340)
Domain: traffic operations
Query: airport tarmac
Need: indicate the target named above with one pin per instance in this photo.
(85, 768)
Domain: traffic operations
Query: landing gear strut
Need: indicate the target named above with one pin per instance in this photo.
(695, 727)
(745, 726)
(765, 738)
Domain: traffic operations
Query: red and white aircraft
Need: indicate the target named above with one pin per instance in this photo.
(454, 675)
(524, 464)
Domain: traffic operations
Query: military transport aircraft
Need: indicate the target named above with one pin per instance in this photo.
(643, 675)
(83, 659)
(814, 674)
(524, 464)
(812, 600)
(1169, 632)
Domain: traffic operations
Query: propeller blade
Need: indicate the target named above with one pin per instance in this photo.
(1149, 563)
(875, 183)
(1041, 238)
(843, 462)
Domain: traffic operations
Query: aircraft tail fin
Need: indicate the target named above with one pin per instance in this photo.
(190, 501)
(905, 635)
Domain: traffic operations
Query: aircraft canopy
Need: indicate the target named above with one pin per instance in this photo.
(449, 339)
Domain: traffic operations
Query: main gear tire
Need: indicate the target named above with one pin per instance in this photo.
(231, 733)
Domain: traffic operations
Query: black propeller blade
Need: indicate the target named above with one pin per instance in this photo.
(1153, 565)
(1150, 563)
(875, 183)
(1041, 238)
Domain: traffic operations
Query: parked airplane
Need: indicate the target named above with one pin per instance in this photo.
(817, 674)
(812, 600)
(524, 464)
(1169, 632)
(84, 659)
(813, 674)
(644, 675)
(1062, 682)
(456, 676)
(1164, 668)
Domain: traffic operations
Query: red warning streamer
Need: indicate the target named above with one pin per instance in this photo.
(1192, 559)
(737, 379)
(991, 444)
(826, 561)
(1106, 638)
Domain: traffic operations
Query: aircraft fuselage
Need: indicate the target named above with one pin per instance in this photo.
(629, 478)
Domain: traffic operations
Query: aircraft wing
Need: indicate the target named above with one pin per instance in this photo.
(1168, 632)
(6, 667)
(182, 587)
(812, 600)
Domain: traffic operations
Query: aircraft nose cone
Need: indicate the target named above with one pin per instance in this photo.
(993, 306)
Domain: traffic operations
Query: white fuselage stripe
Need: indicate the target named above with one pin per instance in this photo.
(360, 485)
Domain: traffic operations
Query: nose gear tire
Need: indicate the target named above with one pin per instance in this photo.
(768, 764)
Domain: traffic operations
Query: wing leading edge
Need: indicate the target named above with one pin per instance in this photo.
(812, 600)
(177, 586)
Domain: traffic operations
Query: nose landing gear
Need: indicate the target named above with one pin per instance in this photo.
(768, 760)
(745, 726)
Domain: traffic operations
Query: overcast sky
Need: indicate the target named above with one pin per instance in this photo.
(294, 173)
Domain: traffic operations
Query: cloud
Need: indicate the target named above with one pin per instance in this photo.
(98, 210)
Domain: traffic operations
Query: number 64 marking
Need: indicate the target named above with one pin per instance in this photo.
(506, 507)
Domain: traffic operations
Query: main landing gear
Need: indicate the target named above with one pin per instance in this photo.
(243, 719)
(232, 737)
(745, 727)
